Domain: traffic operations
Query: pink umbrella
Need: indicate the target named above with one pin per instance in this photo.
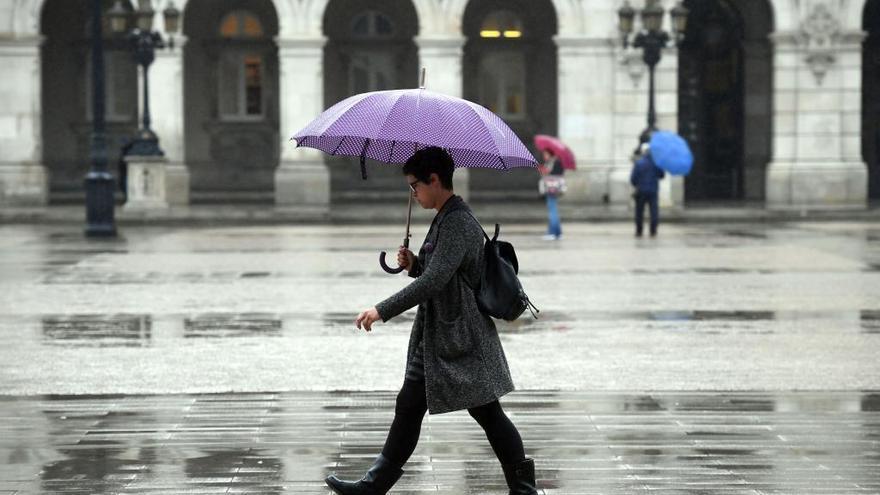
(558, 148)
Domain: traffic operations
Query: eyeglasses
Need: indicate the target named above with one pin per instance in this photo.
(412, 185)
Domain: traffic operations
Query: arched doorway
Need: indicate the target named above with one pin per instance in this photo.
(725, 96)
(871, 97)
(510, 67)
(66, 71)
(369, 48)
(231, 93)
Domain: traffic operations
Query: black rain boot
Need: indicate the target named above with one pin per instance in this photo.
(378, 480)
(521, 477)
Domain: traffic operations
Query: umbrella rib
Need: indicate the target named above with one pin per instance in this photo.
(338, 145)
(391, 153)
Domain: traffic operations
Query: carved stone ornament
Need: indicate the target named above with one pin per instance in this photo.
(818, 35)
(632, 60)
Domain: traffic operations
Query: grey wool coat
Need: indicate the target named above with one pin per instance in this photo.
(465, 365)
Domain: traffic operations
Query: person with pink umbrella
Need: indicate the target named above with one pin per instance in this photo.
(557, 158)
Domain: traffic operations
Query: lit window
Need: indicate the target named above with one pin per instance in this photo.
(501, 24)
(241, 24)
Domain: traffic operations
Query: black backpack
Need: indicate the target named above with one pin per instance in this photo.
(500, 294)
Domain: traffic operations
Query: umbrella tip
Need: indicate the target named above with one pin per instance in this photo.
(422, 80)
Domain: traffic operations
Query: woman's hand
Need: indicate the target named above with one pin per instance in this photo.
(367, 318)
(405, 258)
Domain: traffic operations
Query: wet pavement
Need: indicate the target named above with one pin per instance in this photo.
(715, 359)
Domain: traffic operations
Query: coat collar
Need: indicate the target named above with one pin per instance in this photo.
(454, 203)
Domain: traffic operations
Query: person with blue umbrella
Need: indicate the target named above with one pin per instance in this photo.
(645, 177)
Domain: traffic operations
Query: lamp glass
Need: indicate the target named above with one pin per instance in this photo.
(145, 19)
(172, 18)
(679, 16)
(118, 18)
(625, 15)
(652, 17)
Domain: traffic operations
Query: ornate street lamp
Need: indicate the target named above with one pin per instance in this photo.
(144, 42)
(651, 39)
(99, 183)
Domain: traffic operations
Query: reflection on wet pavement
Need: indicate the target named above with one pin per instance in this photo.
(232, 325)
(102, 330)
(584, 443)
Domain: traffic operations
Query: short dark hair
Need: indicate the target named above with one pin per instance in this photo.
(431, 160)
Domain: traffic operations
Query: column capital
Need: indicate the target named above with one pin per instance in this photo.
(574, 44)
(450, 42)
(21, 46)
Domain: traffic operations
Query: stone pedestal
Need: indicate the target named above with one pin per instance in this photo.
(146, 184)
(818, 185)
(303, 183)
(176, 184)
(23, 184)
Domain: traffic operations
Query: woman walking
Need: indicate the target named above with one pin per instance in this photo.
(454, 360)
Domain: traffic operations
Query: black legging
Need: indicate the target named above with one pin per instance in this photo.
(411, 408)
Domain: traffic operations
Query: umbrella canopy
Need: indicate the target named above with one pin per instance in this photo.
(558, 148)
(671, 152)
(389, 126)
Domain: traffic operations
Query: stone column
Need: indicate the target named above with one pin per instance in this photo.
(302, 179)
(817, 117)
(167, 111)
(441, 57)
(23, 178)
(586, 114)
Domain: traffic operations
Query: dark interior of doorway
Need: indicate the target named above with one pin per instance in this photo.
(871, 97)
(711, 100)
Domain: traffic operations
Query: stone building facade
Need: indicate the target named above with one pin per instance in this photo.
(780, 99)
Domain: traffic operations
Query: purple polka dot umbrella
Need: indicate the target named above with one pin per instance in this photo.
(389, 126)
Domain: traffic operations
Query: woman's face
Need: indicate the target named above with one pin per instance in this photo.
(423, 193)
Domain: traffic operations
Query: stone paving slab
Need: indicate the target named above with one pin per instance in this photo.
(584, 443)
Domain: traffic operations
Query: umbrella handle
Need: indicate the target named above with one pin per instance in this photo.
(385, 266)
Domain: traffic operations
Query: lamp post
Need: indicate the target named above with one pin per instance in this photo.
(99, 182)
(144, 42)
(651, 39)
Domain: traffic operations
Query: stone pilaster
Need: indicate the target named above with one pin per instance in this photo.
(586, 114)
(817, 117)
(441, 57)
(23, 178)
(167, 111)
(302, 179)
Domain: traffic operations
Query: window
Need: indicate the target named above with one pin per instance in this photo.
(241, 85)
(241, 24)
(241, 72)
(371, 71)
(502, 84)
(501, 24)
(372, 24)
(120, 87)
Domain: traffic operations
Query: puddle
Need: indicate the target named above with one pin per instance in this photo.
(216, 325)
(118, 330)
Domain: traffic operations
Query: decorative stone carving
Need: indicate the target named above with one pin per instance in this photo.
(632, 60)
(819, 35)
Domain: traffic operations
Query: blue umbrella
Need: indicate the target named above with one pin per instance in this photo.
(671, 152)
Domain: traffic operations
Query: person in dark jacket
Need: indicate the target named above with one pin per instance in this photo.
(455, 360)
(645, 177)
